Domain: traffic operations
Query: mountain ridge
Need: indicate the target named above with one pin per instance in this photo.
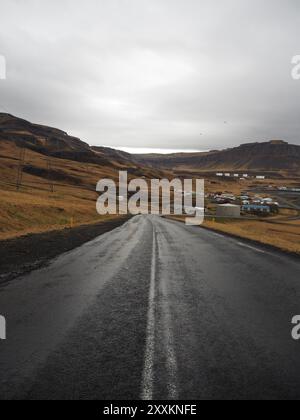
(274, 155)
(266, 156)
(53, 144)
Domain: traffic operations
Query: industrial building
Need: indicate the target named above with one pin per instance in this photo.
(228, 210)
(256, 208)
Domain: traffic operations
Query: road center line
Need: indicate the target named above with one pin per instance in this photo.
(171, 356)
(169, 345)
(148, 373)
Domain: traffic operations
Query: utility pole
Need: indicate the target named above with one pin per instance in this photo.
(20, 168)
(49, 174)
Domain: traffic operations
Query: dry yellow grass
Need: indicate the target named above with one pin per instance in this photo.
(282, 235)
(34, 208)
(285, 236)
(36, 211)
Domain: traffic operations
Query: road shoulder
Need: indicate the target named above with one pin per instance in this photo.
(249, 241)
(21, 255)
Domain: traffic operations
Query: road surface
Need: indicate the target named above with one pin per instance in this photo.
(154, 310)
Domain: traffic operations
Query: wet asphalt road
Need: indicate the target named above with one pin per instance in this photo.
(154, 310)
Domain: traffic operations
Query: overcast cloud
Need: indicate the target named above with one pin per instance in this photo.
(174, 74)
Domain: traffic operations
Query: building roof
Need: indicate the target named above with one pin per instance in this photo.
(256, 206)
(229, 205)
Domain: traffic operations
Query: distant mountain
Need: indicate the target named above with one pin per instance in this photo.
(57, 144)
(115, 155)
(275, 155)
(45, 140)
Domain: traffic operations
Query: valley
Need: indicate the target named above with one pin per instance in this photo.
(48, 181)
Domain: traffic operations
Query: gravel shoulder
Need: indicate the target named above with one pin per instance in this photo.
(21, 255)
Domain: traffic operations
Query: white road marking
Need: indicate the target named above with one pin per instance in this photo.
(252, 247)
(171, 361)
(170, 355)
(148, 374)
(218, 235)
(169, 348)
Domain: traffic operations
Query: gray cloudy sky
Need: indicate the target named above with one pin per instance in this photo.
(154, 73)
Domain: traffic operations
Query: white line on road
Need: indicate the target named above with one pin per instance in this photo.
(170, 355)
(168, 343)
(252, 247)
(218, 235)
(148, 374)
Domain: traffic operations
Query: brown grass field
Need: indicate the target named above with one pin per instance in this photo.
(34, 207)
(283, 235)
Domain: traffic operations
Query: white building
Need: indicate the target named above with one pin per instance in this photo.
(228, 210)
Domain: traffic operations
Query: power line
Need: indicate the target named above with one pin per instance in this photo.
(20, 168)
(48, 159)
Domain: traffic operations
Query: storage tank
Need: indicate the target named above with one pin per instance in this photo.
(228, 210)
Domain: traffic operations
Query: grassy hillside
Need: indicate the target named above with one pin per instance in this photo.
(46, 200)
(54, 186)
